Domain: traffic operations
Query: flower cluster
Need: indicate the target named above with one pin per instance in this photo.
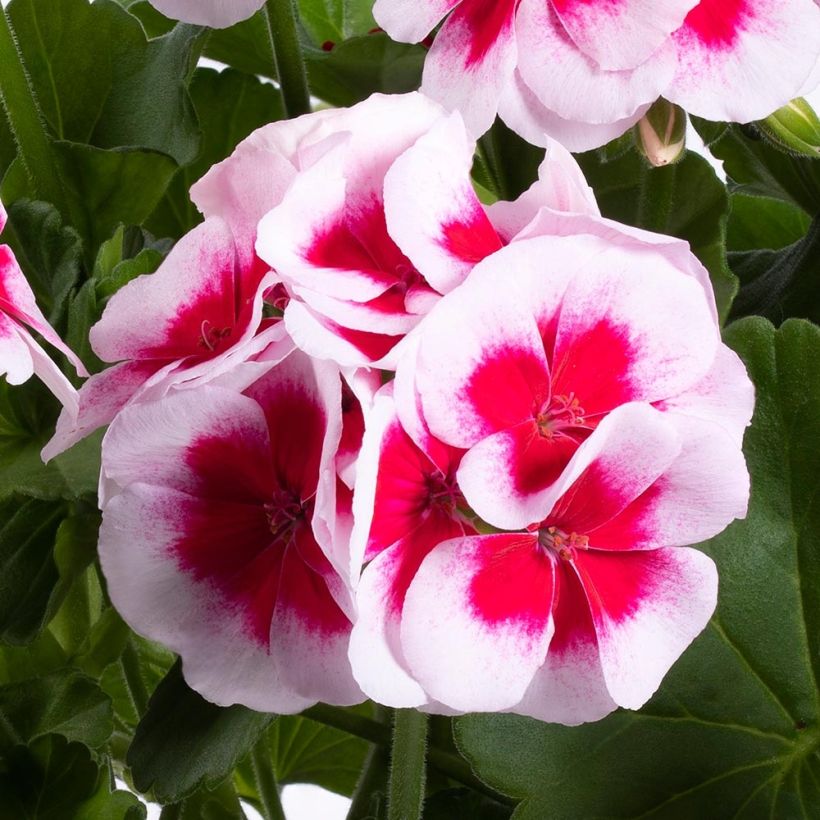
(370, 437)
(584, 71)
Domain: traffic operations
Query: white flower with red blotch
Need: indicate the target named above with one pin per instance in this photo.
(213, 13)
(575, 392)
(219, 536)
(584, 71)
(193, 318)
(368, 215)
(21, 356)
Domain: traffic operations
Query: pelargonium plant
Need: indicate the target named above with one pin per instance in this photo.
(392, 402)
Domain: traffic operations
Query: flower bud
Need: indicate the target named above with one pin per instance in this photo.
(661, 133)
(794, 127)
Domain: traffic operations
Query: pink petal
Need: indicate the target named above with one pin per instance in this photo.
(724, 396)
(100, 399)
(472, 59)
(309, 636)
(683, 506)
(549, 222)
(620, 34)
(476, 623)
(560, 186)
(495, 369)
(507, 478)
(186, 308)
(213, 13)
(324, 339)
(16, 360)
(642, 332)
(624, 456)
(574, 86)
(330, 238)
(409, 21)
(647, 608)
(209, 442)
(525, 114)
(375, 646)
(215, 632)
(432, 210)
(17, 301)
(569, 688)
(739, 60)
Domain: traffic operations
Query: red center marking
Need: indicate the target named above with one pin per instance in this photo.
(716, 23)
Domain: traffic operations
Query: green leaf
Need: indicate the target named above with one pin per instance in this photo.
(100, 81)
(41, 554)
(184, 742)
(685, 200)
(356, 67)
(780, 284)
(361, 66)
(27, 414)
(757, 167)
(734, 731)
(764, 222)
(56, 780)
(303, 751)
(336, 20)
(49, 253)
(107, 187)
(229, 105)
(66, 703)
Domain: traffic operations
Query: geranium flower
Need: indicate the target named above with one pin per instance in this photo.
(213, 13)
(584, 71)
(589, 608)
(190, 320)
(406, 502)
(21, 356)
(595, 427)
(218, 536)
(370, 235)
(536, 360)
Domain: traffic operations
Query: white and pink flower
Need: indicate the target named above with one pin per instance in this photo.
(371, 235)
(21, 355)
(584, 71)
(213, 13)
(575, 392)
(219, 535)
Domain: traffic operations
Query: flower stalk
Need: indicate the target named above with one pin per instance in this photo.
(34, 146)
(408, 765)
(287, 56)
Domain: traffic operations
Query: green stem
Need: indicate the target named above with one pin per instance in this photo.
(266, 781)
(447, 763)
(287, 56)
(408, 766)
(27, 124)
(373, 780)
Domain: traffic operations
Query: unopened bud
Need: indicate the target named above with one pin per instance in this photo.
(794, 127)
(661, 133)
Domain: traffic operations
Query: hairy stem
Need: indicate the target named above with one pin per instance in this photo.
(408, 766)
(266, 781)
(287, 56)
(34, 145)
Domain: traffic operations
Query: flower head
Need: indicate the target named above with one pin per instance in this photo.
(219, 535)
(585, 71)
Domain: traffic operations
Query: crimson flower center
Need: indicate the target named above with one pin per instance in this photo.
(210, 338)
(443, 493)
(561, 543)
(560, 413)
(285, 513)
